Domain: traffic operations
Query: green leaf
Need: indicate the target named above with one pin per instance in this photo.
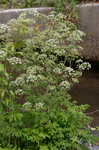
(44, 148)
(1, 67)
(83, 147)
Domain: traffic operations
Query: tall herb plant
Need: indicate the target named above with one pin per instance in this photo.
(37, 56)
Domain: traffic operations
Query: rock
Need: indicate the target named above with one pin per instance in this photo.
(6, 15)
(94, 148)
(89, 23)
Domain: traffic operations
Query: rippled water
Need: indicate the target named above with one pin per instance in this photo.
(87, 92)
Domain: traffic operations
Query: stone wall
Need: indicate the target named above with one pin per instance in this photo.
(89, 23)
(6, 15)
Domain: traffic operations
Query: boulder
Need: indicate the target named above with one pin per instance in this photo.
(6, 15)
(89, 23)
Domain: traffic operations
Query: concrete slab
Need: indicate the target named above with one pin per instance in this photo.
(89, 23)
(6, 15)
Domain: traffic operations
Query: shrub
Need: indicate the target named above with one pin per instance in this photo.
(36, 68)
(51, 123)
(37, 54)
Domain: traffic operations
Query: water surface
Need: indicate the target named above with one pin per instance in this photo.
(87, 92)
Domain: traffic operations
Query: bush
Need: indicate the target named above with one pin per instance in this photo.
(52, 123)
(36, 68)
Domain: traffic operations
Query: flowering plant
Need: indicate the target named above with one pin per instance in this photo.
(37, 56)
(40, 55)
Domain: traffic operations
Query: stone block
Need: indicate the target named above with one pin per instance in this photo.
(89, 23)
(6, 15)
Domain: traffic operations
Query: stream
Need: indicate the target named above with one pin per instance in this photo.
(87, 92)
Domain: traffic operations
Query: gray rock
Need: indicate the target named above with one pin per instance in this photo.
(6, 15)
(89, 23)
(94, 148)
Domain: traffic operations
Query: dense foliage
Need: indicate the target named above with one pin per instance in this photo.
(36, 72)
(59, 4)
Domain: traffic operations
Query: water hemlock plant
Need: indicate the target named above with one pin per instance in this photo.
(36, 72)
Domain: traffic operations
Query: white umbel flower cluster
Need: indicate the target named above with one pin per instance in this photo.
(19, 81)
(19, 92)
(3, 28)
(34, 69)
(39, 105)
(2, 54)
(31, 78)
(14, 60)
(84, 66)
(27, 106)
(65, 84)
(68, 70)
(57, 70)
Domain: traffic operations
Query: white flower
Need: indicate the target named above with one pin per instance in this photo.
(77, 74)
(19, 92)
(51, 87)
(31, 78)
(93, 129)
(79, 61)
(75, 80)
(2, 54)
(51, 41)
(33, 70)
(52, 15)
(12, 21)
(3, 28)
(68, 69)
(39, 105)
(57, 70)
(34, 12)
(42, 56)
(15, 60)
(19, 81)
(40, 77)
(27, 106)
(84, 66)
(65, 84)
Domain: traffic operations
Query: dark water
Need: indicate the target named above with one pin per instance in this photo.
(87, 92)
